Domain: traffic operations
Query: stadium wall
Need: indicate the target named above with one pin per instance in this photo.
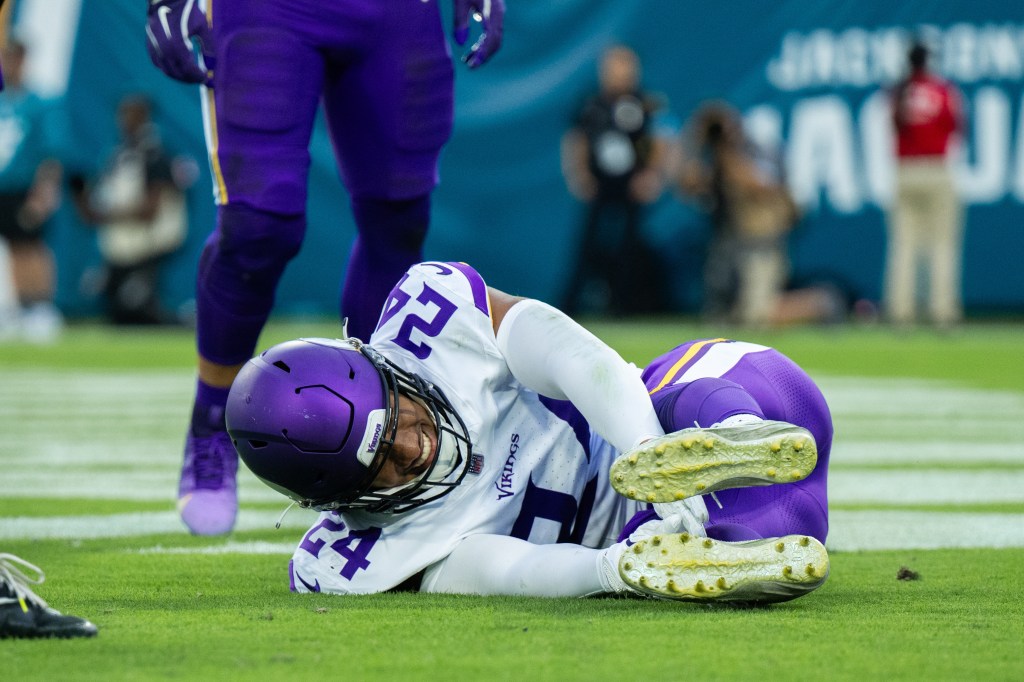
(808, 77)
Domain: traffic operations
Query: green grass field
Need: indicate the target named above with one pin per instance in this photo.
(927, 472)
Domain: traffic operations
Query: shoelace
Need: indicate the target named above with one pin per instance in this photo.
(13, 575)
(208, 463)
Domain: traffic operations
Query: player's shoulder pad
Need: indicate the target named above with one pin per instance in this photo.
(460, 279)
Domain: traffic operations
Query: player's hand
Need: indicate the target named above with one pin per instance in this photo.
(170, 28)
(491, 15)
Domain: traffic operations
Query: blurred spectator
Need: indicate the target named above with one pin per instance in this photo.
(30, 181)
(926, 219)
(611, 160)
(751, 213)
(742, 188)
(138, 206)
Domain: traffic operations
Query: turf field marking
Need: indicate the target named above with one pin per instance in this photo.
(926, 487)
(850, 530)
(102, 434)
(925, 451)
(137, 524)
(256, 547)
(881, 530)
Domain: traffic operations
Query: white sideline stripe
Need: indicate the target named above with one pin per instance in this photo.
(850, 530)
(227, 548)
(110, 434)
(862, 395)
(136, 524)
(925, 487)
(156, 483)
(884, 530)
(925, 452)
(845, 486)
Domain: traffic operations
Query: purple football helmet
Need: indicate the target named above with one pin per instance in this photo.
(315, 419)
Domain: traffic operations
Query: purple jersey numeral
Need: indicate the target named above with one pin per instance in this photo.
(314, 546)
(429, 328)
(354, 547)
(396, 301)
(356, 554)
(553, 505)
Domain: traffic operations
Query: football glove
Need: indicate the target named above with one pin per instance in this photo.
(491, 15)
(170, 28)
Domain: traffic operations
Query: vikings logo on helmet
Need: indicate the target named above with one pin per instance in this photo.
(316, 419)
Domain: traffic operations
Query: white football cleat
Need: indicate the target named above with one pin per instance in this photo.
(688, 568)
(697, 461)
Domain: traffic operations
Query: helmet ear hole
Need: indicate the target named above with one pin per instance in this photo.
(257, 444)
(281, 364)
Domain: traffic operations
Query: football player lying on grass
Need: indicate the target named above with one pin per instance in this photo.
(482, 443)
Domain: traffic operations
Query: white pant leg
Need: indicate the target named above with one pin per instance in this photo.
(901, 257)
(944, 252)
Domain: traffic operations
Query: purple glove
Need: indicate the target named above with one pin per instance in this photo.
(491, 15)
(170, 28)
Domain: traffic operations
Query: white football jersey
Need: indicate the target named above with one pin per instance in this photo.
(537, 472)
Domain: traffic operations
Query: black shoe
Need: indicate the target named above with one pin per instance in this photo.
(23, 614)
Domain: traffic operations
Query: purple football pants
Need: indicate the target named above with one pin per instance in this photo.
(384, 75)
(768, 384)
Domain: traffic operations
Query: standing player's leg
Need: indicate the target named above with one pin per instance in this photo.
(389, 114)
(259, 118)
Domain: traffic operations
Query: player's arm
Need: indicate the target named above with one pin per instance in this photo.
(497, 564)
(501, 565)
(553, 355)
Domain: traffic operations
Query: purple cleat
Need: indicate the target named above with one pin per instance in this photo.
(207, 500)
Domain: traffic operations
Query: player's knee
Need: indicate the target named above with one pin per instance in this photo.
(702, 402)
(256, 245)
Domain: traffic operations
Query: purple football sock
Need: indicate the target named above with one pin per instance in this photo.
(390, 240)
(702, 402)
(208, 409)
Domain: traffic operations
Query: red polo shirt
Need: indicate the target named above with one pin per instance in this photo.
(928, 114)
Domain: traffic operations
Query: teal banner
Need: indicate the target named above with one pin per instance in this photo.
(809, 77)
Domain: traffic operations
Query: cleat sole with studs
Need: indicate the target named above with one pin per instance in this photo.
(700, 461)
(685, 568)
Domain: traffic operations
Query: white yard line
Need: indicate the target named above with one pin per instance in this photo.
(877, 530)
(92, 527)
(925, 487)
(102, 434)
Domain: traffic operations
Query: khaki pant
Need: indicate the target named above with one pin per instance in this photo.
(925, 228)
(762, 277)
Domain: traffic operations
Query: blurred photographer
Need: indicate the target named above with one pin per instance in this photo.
(742, 189)
(138, 206)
